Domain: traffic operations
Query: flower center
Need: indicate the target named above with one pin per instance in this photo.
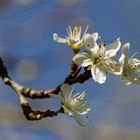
(129, 68)
(99, 60)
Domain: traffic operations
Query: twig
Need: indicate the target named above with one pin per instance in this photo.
(37, 115)
(23, 92)
(30, 93)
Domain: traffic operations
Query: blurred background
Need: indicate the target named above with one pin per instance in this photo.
(35, 60)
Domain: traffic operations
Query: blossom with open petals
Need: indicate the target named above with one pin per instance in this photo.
(74, 38)
(73, 105)
(130, 66)
(99, 59)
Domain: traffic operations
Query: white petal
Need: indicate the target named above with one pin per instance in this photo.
(67, 111)
(82, 109)
(95, 36)
(113, 48)
(59, 39)
(125, 49)
(95, 50)
(76, 116)
(88, 40)
(122, 59)
(82, 59)
(66, 92)
(78, 119)
(124, 56)
(114, 68)
(98, 75)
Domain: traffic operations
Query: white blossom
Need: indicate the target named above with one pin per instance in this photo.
(73, 39)
(99, 59)
(130, 66)
(73, 105)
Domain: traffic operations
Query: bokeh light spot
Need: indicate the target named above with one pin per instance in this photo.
(27, 70)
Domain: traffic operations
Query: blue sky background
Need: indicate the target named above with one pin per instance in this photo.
(35, 60)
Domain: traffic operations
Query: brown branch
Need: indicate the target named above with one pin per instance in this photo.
(28, 92)
(37, 115)
(72, 78)
(3, 70)
(74, 69)
(23, 92)
(79, 79)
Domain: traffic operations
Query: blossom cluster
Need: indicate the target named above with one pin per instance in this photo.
(99, 58)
